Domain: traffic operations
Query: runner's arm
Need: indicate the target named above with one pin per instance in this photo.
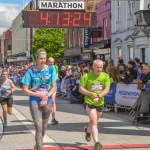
(53, 89)
(86, 92)
(104, 92)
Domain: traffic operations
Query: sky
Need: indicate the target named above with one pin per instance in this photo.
(9, 9)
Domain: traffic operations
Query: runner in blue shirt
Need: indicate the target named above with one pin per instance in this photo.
(39, 83)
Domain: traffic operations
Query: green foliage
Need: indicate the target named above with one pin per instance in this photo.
(51, 40)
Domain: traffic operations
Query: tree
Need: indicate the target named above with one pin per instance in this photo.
(51, 39)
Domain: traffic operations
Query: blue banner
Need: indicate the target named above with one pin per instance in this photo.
(68, 86)
(86, 37)
(110, 97)
(147, 86)
(58, 86)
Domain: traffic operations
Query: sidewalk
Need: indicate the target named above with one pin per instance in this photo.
(115, 130)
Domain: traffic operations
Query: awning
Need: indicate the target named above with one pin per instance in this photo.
(68, 57)
(11, 60)
(81, 62)
(100, 45)
(22, 58)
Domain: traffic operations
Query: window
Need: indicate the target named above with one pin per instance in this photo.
(69, 41)
(143, 55)
(105, 28)
(73, 38)
(78, 36)
(130, 52)
(119, 50)
(130, 7)
(118, 17)
(9, 47)
(130, 13)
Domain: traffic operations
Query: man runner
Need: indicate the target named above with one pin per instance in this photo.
(94, 85)
(53, 107)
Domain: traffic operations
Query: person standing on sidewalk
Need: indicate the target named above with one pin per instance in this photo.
(53, 107)
(94, 85)
(7, 87)
(39, 83)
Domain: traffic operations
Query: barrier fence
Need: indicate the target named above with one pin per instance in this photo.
(120, 94)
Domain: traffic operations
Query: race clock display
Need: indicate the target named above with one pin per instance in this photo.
(64, 19)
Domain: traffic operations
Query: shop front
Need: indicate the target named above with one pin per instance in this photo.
(101, 50)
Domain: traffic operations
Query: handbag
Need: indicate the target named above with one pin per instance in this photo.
(140, 86)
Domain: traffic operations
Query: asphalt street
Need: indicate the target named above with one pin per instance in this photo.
(116, 130)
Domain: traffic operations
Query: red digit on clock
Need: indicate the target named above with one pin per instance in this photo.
(77, 18)
(44, 17)
(87, 17)
(66, 19)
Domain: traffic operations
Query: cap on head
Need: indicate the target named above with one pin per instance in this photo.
(119, 56)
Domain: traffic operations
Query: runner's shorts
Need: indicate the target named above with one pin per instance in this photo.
(98, 108)
(7, 101)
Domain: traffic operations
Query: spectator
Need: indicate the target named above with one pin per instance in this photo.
(139, 72)
(114, 75)
(122, 68)
(133, 72)
(128, 77)
(137, 63)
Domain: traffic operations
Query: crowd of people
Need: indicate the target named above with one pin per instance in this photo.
(89, 83)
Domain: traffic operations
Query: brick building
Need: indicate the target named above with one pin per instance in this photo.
(6, 45)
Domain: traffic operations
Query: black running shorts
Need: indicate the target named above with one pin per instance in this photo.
(7, 101)
(98, 108)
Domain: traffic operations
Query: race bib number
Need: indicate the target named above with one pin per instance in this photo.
(42, 91)
(96, 87)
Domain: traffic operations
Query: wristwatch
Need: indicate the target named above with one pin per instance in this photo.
(99, 96)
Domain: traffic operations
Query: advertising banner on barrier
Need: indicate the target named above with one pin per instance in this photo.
(127, 94)
(147, 86)
(58, 86)
(68, 86)
(110, 97)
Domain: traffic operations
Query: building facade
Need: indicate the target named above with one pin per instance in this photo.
(73, 44)
(123, 30)
(21, 39)
(6, 45)
(101, 44)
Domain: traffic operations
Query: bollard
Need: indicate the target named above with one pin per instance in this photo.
(115, 108)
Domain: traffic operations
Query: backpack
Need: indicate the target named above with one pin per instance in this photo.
(36, 81)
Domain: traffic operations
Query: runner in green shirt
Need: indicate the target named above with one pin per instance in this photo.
(53, 107)
(94, 85)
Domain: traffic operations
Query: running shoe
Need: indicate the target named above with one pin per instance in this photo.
(98, 146)
(54, 121)
(87, 135)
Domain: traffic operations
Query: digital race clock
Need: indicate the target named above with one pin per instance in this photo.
(66, 19)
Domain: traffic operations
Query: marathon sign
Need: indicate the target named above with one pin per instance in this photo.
(62, 5)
